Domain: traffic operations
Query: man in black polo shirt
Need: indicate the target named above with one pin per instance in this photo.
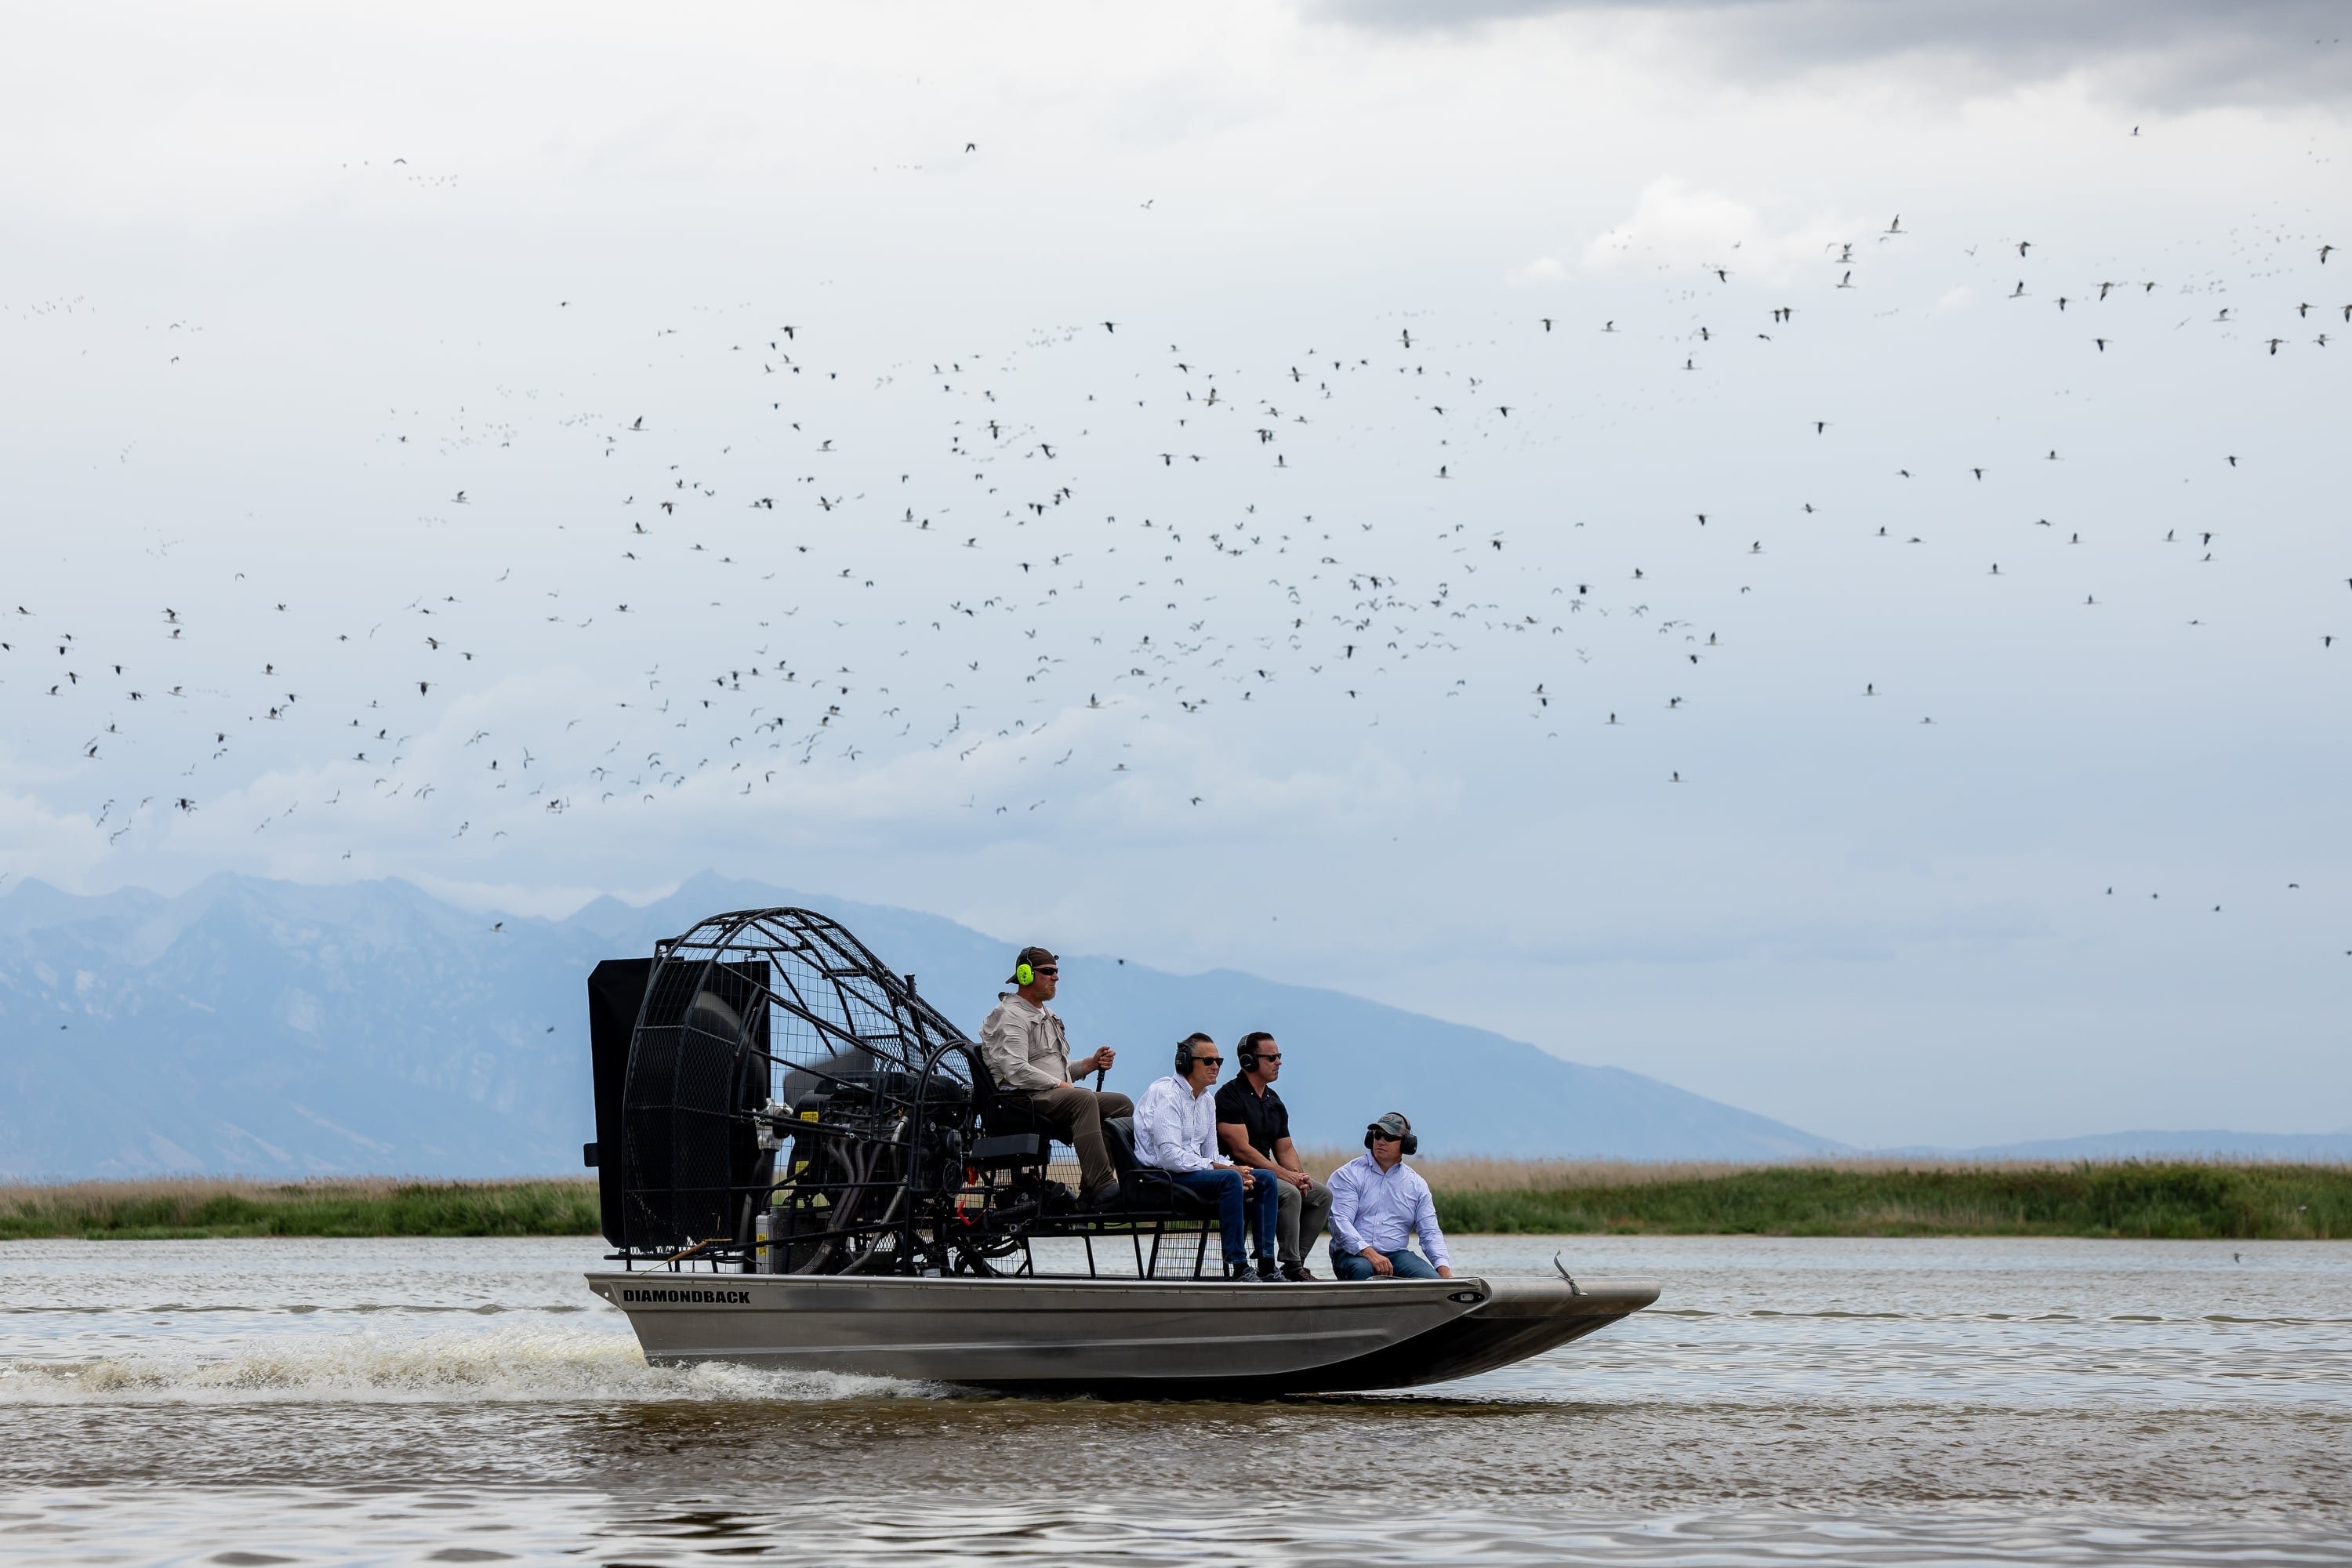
(1253, 1126)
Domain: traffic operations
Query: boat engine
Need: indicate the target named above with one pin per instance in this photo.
(781, 1101)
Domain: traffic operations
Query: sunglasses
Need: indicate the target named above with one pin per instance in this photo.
(1208, 1061)
(1387, 1137)
(1045, 968)
(1269, 1056)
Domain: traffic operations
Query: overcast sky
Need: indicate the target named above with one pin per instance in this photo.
(711, 421)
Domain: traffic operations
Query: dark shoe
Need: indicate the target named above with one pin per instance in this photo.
(1238, 1269)
(1265, 1270)
(1104, 1198)
(1297, 1273)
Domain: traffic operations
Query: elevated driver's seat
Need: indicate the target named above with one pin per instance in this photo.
(1013, 1135)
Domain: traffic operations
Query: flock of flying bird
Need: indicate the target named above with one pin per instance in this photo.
(932, 567)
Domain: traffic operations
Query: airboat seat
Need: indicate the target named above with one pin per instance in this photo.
(1018, 1137)
(1004, 1111)
(1013, 1135)
(1144, 1191)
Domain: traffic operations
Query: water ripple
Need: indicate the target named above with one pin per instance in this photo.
(1835, 1402)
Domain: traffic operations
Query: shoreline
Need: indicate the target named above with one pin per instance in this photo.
(2124, 1200)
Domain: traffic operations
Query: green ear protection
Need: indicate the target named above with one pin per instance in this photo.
(1023, 973)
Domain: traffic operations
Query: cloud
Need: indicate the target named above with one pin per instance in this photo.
(2169, 55)
(52, 845)
(1676, 224)
(1543, 269)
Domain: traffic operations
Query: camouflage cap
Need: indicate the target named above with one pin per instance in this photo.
(1035, 957)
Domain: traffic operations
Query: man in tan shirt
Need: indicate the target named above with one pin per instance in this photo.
(1028, 1052)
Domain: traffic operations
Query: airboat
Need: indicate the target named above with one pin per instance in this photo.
(803, 1164)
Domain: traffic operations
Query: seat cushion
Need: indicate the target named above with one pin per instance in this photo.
(1012, 1115)
(1153, 1193)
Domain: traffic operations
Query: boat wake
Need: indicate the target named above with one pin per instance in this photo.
(516, 1366)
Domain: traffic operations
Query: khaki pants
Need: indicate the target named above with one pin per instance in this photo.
(1077, 1115)
(1301, 1219)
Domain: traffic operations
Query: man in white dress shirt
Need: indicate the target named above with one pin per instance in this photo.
(1176, 1132)
(1378, 1203)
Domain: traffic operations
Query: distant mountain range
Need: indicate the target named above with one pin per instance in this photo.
(266, 1027)
(270, 1028)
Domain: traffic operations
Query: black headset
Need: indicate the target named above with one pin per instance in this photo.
(1410, 1145)
(1183, 1056)
(1246, 1052)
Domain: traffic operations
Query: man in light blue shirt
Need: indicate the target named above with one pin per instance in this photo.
(1176, 1132)
(1378, 1203)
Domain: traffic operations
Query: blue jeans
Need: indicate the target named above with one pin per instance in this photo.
(1409, 1265)
(1227, 1188)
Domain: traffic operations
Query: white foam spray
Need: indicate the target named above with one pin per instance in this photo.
(511, 1365)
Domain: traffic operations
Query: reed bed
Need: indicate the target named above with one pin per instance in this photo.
(172, 1208)
(2146, 1199)
(1475, 1173)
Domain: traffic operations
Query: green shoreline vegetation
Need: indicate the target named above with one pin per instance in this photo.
(203, 1207)
(2172, 1200)
(2151, 1200)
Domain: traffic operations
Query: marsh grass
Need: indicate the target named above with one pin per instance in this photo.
(1474, 1173)
(2209, 1200)
(2152, 1199)
(196, 1207)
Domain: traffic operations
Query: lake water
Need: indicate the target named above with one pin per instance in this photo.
(1787, 1402)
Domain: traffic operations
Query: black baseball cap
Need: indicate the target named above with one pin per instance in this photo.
(1035, 957)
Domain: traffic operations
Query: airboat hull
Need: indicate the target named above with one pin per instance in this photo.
(1131, 1336)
